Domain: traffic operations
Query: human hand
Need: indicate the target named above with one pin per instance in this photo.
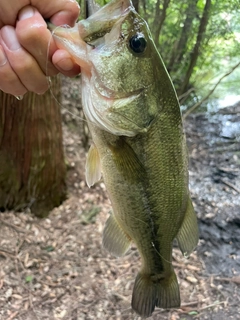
(26, 45)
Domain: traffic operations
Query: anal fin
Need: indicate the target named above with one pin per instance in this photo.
(115, 240)
(93, 166)
(187, 236)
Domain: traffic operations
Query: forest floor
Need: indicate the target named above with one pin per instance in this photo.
(56, 268)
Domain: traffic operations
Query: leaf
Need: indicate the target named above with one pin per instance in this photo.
(29, 278)
(193, 313)
(49, 248)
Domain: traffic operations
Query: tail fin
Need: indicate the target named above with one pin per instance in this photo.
(154, 290)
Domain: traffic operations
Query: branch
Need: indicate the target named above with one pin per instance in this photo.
(195, 106)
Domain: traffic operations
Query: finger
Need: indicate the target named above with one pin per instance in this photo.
(22, 63)
(9, 81)
(58, 11)
(65, 64)
(34, 36)
(9, 10)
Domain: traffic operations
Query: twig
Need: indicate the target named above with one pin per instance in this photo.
(185, 266)
(189, 304)
(19, 230)
(119, 296)
(6, 252)
(185, 95)
(228, 170)
(232, 148)
(19, 246)
(50, 284)
(13, 315)
(230, 185)
(195, 106)
(233, 279)
(212, 305)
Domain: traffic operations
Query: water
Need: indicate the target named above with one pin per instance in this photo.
(227, 101)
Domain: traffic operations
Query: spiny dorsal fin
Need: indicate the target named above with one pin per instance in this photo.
(93, 166)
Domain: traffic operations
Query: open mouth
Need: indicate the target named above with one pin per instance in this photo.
(102, 21)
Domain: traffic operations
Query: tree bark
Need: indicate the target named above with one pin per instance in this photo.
(197, 46)
(160, 16)
(136, 4)
(143, 2)
(32, 167)
(180, 47)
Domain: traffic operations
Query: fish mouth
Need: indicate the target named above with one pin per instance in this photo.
(95, 26)
(78, 41)
(102, 21)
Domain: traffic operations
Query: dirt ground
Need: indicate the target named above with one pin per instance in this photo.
(56, 268)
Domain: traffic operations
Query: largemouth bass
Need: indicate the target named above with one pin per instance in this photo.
(138, 146)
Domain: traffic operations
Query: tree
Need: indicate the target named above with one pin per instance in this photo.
(159, 18)
(32, 167)
(136, 4)
(180, 46)
(196, 50)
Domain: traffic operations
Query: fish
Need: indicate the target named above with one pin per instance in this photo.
(138, 146)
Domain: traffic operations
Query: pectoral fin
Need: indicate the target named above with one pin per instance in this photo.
(127, 161)
(93, 166)
(115, 240)
(187, 236)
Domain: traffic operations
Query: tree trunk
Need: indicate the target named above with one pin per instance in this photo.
(160, 16)
(136, 4)
(32, 167)
(196, 49)
(180, 47)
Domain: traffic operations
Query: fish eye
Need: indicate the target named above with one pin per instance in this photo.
(138, 43)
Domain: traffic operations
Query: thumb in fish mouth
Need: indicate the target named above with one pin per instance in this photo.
(69, 39)
(74, 40)
(99, 23)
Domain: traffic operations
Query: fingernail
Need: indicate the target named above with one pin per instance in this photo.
(3, 58)
(10, 38)
(26, 13)
(19, 97)
(65, 64)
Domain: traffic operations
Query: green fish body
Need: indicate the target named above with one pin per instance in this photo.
(138, 146)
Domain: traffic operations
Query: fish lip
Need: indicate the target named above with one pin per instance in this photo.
(113, 95)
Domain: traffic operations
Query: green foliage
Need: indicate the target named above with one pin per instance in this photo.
(218, 48)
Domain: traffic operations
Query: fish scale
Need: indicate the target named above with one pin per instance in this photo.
(138, 146)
